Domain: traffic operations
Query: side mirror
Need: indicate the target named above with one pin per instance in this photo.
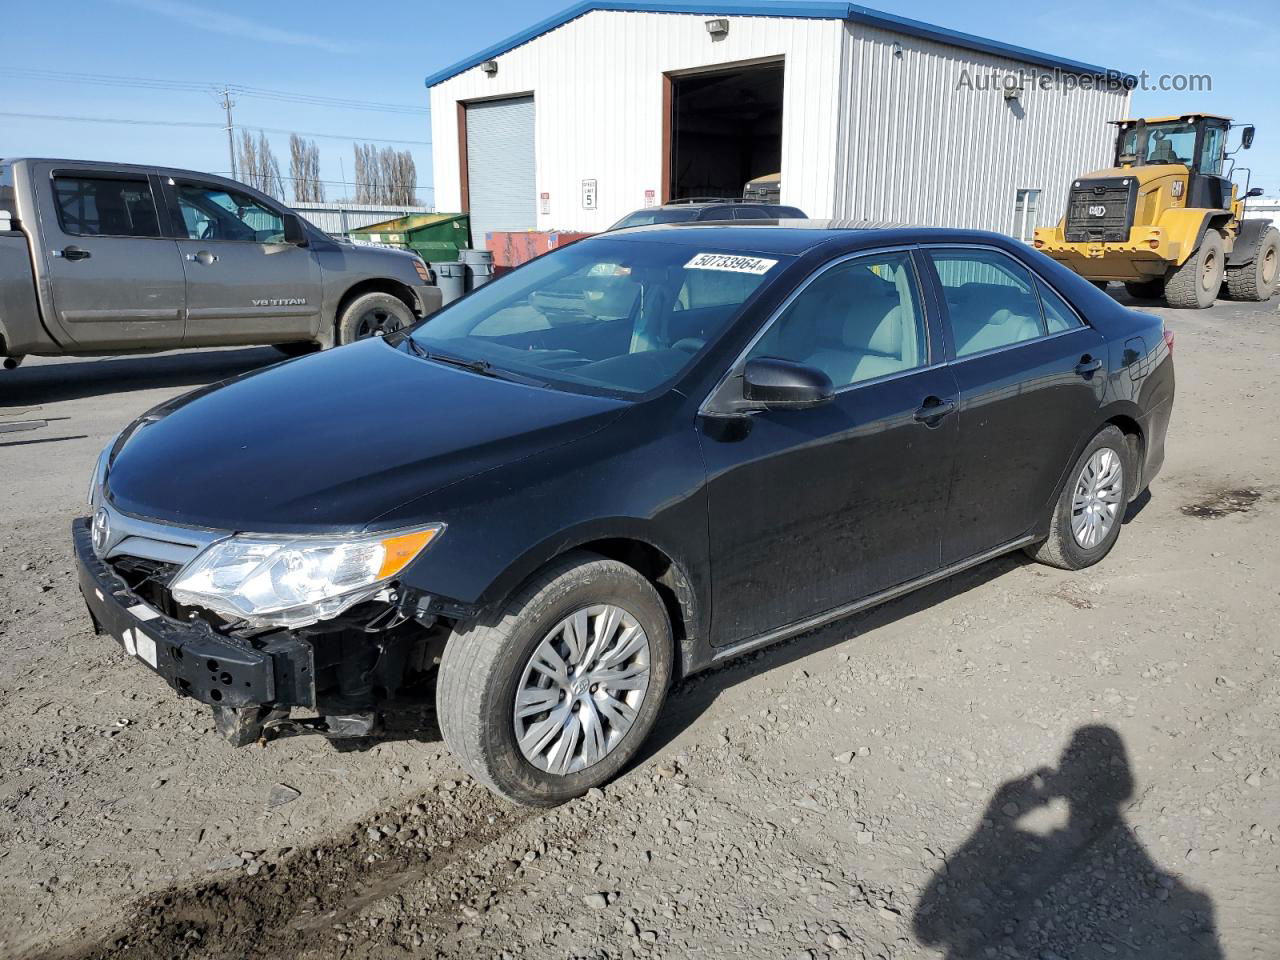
(1246, 137)
(783, 384)
(1254, 192)
(294, 232)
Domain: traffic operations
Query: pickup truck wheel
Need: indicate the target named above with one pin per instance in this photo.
(373, 315)
(555, 694)
(1196, 283)
(1087, 516)
(1258, 279)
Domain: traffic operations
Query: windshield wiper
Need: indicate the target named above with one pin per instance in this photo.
(482, 367)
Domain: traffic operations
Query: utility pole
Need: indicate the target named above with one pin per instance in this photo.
(227, 104)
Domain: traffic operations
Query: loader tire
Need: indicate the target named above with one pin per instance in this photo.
(1257, 280)
(1196, 283)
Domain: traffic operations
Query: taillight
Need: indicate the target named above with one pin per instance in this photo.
(1168, 340)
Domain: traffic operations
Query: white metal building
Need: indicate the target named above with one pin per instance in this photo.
(608, 107)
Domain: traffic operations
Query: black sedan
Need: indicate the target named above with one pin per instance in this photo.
(553, 506)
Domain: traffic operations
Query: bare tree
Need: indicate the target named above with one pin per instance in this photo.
(304, 170)
(258, 166)
(385, 176)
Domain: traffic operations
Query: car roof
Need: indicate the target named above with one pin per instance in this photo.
(794, 237)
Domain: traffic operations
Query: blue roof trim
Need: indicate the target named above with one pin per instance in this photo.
(817, 10)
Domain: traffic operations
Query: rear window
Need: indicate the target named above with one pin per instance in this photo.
(642, 218)
(106, 207)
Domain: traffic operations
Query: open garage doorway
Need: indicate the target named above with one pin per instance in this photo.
(724, 128)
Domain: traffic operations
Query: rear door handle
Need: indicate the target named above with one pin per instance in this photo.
(1088, 365)
(933, 410)
(204, 256)
(72, 253)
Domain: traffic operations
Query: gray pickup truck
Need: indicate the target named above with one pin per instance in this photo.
(99, 258)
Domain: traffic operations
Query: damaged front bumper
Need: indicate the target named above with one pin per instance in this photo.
(276, 670)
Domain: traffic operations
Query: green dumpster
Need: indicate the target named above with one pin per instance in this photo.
(436, 237)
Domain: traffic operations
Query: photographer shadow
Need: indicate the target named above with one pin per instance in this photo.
(1086, 890)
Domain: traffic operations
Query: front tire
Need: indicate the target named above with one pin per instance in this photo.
(556, 693)
(373, 315)
(1196, 283)
(1089, 512)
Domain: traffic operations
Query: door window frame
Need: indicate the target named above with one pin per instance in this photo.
(944, 310)
(70, 173)
(714, 403)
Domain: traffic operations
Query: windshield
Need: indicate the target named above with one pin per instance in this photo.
(611, 316)
(1171, 142)
(642, 218)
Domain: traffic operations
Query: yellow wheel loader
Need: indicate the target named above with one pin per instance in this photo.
(1166, 220)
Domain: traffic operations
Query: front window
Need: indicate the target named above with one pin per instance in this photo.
(606, 316)
(859, 320)
(215, 213)
(1171, 142)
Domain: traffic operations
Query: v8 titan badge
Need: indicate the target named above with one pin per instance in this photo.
(730, 263)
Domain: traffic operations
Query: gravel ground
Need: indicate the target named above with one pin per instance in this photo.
(1020, 762)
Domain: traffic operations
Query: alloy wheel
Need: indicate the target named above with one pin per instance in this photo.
(1095, 505)
(377, 322)
(582, 689)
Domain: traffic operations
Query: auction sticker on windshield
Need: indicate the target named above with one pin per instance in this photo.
(731, 263)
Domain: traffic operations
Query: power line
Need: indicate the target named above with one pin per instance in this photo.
(202, 124)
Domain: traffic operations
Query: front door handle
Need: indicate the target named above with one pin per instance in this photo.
(933, 410)
(1088, 365)
(72, 253)
(204, 256)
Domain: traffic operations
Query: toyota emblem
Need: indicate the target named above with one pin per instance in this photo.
(101, 530)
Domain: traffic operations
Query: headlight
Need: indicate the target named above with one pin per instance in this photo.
(295, 581)
(100, 472)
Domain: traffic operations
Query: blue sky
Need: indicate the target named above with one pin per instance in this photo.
(379, 52)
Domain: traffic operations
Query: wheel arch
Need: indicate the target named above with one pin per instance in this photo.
(1126, 421)
(387, 285)
(1137, 440)
(631, 543)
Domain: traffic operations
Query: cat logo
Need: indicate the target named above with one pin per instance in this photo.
(1098, 210)
(282, 302)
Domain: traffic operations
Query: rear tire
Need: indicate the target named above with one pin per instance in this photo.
(1145, 290)
(487, 666)
(373, 315)
(1065, 548)
(1196, 283)
(1258, 279)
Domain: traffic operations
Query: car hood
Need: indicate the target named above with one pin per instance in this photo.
(334, 440)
